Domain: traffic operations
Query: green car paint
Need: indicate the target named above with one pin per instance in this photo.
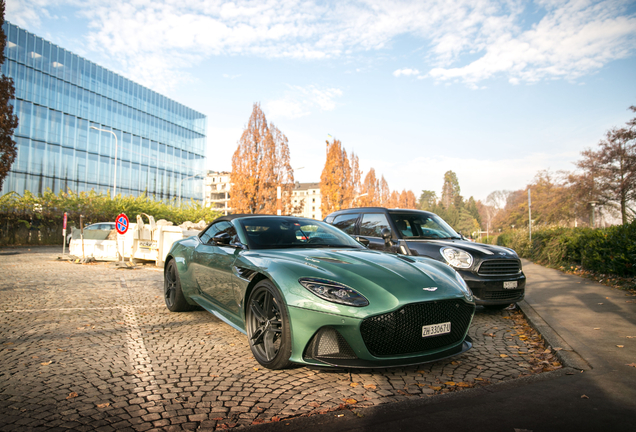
(220, 278)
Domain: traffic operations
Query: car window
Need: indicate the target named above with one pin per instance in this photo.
(422, 226)
(286, 232)
(214, 229)
(373, 224)
(346, 222)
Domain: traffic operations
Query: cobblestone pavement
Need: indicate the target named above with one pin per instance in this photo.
(91, 347)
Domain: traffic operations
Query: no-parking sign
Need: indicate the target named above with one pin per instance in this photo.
(121, 224)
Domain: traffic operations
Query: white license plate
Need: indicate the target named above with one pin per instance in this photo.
(146, 244)
(436, 329)
(510, 284)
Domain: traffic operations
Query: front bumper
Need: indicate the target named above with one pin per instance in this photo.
(323, 339)
(490, 290)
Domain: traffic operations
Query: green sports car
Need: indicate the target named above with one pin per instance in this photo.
(305, 292)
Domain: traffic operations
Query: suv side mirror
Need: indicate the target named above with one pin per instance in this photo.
(386, 235)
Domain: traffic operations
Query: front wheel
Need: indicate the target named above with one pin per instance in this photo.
(268, 330)
(175, 300)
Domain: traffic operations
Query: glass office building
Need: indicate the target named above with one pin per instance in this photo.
(60, 95)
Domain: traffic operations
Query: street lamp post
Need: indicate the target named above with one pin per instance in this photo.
(115, 176)
(355, 198)
(181, 183)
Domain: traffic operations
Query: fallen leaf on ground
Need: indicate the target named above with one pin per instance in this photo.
(217, 418)
(71, 395)
(584, 397)
(558, 349)
(597, 328)
(489, 334)
(353, 385)
(478, 379)
(104, 405)
(423, 372)
(464, 384)
(350, 401)
(620, 346)
(502, 355)
(436, 388)
(370, 387)
(632, 364)
(46, 363)
(630, 337)
(600, 303)
(449, 383)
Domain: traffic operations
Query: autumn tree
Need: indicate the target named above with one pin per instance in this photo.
(338, 179)
(370, 187)
(8, 120)
(407, 200)
(261, 164)
(394, 200)
(611, 169)
(384, 192)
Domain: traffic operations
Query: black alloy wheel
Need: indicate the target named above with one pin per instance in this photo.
(175, 301)
(268, 327)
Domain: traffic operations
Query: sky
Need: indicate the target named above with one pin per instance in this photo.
(494, 90)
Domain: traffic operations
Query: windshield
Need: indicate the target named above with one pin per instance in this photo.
(287, 232)
(423, 226)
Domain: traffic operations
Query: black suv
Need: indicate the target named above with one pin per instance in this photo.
(493, 273)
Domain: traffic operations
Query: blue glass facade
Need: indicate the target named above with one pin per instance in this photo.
(60, 95)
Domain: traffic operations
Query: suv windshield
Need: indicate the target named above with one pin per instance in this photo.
(287, 232)
(422, 226)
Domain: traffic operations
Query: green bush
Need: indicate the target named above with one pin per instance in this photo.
(606, 250)
(32, 219)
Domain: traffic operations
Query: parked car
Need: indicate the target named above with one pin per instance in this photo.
(305, 292)
(493, 273)
(96, 226)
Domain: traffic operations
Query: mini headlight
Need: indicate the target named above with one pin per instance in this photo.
(464, 286)
(457, 258)
(334, 292)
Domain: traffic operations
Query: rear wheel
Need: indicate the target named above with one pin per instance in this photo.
(268, 330)
(175, 301)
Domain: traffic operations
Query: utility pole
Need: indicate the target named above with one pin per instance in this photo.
(529, 216)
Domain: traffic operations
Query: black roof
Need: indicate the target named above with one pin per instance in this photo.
(380, 209)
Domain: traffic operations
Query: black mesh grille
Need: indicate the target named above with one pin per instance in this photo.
(499, 267)
(400, 332)
(502, 295)
(327, 344)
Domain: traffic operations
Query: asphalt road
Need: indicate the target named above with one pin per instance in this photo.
(588, 321)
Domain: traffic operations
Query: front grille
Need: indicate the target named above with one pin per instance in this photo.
(502, 295)
(499, 267)
(329, 344)
(400, 332)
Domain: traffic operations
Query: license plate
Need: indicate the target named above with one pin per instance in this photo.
(510, 284)
(436, 329)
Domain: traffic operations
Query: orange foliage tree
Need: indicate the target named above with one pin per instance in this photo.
(340, 179)
(260, 164)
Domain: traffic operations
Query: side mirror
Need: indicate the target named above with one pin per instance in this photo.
(386, 235)
(222, 239)
(364, 241)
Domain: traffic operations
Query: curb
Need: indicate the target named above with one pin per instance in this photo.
(566, 355)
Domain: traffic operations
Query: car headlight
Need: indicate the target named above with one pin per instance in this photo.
(457, 258)
(464, 286)
(334, 292)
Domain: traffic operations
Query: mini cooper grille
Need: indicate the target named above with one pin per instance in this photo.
(501, 295)
(499, 267)
(400, 332)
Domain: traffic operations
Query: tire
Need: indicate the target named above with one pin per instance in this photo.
(267, 323)
(172, 294)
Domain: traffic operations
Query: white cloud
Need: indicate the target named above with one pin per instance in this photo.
(155, 41)
(406, 72)
(299, 101)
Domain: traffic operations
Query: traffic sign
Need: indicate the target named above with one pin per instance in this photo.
(121, 223)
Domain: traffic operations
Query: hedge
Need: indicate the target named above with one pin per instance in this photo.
(603, 250)
(31, 219)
